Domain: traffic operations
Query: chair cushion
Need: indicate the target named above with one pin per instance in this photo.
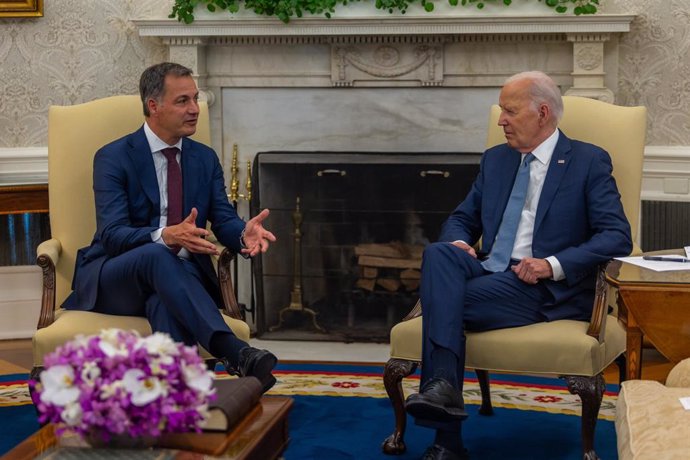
(650, 422)
(559, 347)
(69, 323)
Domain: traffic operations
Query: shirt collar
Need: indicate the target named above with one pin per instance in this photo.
(156, 144)
(544, 151)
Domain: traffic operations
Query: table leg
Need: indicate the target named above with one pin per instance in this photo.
(633, 352)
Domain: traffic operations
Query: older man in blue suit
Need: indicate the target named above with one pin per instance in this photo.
(548, 211)
(147, 258)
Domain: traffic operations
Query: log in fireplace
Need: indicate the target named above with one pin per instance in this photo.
(351, 228)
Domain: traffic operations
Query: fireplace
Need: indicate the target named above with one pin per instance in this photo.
(412, 83)
(352, 226)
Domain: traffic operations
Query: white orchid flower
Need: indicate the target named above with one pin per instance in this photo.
(143, 389)
(58, 385)
(71, 414)
(162, 345)
(197, 378)
(90, 372)
(111, 344)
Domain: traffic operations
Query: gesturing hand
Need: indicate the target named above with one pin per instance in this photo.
(187, 235)
(531, 270)
(256, 237)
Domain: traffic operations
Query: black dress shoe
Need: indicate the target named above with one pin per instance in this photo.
(437, 401)
(255, 363)
(436, 452)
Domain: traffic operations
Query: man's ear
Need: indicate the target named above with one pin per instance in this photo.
(544, 114)
(152, 106)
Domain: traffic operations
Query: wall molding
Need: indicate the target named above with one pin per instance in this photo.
(666, 173)
(23, 165)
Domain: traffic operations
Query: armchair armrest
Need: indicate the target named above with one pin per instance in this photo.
(597, 323)
(231, 309)
(47, 256)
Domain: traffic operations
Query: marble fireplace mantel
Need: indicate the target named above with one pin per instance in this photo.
(429, 50)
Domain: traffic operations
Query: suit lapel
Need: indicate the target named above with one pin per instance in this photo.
(504, 185)
(140, 154)
(560, 160)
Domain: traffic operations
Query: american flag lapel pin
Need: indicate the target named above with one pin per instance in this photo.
(561, 162)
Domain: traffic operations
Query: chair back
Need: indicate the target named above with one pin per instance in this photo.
(75, 133)
(619, 130)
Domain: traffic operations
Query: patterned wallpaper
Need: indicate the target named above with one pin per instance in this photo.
(85, 49)
(79, 51)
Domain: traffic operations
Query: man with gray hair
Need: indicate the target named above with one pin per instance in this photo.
(155, 189)
(548, 212)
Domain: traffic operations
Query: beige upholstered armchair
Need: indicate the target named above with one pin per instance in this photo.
(575, 350)
(75, 133)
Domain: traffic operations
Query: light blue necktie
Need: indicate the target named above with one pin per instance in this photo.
(503, 246)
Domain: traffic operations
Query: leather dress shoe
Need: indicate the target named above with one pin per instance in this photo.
(437, 401)
(436, 452)
(255, 363)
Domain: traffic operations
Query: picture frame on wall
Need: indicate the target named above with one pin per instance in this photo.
(21, 8)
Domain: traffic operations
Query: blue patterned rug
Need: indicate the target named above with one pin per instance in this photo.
(342, 412)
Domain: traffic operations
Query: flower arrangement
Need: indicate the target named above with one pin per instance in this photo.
(118, 383)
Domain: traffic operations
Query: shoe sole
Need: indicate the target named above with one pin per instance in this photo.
(426, 410)
(262, 371)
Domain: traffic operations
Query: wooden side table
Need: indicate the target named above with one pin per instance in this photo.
(261, 435)
(655, 305)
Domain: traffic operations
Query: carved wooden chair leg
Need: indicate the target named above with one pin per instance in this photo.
(622, 368)
(393, 373)
(483, 376)
(591, 392)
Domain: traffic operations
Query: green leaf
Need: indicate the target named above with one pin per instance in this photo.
(429, 7)
(453, 2)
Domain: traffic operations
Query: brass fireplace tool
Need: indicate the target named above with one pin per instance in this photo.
(234, 196)
(296, 302)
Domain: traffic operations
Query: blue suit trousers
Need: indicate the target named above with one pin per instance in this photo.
(170, 292)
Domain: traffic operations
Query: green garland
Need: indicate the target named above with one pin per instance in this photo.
(183, 10)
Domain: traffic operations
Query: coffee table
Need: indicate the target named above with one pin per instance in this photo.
(261, 435)
(655, 305)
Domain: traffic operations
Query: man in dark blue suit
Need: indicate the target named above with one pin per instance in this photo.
(147, 258)
(548, 212)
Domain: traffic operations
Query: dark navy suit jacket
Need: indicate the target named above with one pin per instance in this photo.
(579, 220)
(128, 208)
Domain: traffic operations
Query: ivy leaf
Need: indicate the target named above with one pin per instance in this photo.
(429, 7)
